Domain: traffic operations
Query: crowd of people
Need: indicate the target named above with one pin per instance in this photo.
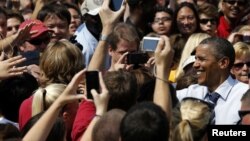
(197, 75)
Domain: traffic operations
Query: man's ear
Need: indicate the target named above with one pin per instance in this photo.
(65, 116)
(224, 62)
(22, 47)
(111, 51)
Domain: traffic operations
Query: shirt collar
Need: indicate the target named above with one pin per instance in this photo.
(225, 88)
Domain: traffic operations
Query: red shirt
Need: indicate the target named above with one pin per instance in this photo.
(223, 29)
(84, 115)
(25, 112)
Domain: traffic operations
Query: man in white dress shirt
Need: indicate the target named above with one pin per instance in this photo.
(214, 59)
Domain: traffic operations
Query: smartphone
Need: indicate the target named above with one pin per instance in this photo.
(92, 82)
(115, 5)
(137, 58)
(150, 43)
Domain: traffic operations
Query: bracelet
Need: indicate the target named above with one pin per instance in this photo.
(103, 38)
(97, 116)
(154, 72)
(166, 81)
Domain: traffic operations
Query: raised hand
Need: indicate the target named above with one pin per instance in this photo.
(24, 34)
(70, 93)
(109, 17)
(164, 53)
(101, 99)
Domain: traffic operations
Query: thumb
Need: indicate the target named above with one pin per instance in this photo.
(94, 93)
(2, 56)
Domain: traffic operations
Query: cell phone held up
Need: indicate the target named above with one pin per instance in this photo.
(137, 58)
(92, 82)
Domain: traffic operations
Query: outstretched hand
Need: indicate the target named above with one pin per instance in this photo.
(109, 17)
(8, 68)
(70, 93)
(24, 34)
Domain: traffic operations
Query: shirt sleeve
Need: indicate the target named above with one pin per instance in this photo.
(85, 114)
(25, 112)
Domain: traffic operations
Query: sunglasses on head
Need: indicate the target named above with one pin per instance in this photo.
(205, 21)
(243, 113)
(209, 105)
(242, 38)
(39, 41)
(240, 65)
(233, 2)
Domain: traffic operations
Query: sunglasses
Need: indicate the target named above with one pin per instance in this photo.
(209, 105)
(233, 2)
(39, 41)
(243, 113)
(240, 65)
(205, 21)
(9, 28)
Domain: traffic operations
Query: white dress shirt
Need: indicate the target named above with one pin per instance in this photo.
(228, 105)
(89, 44)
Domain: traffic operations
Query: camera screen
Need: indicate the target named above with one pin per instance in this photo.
(150, 43)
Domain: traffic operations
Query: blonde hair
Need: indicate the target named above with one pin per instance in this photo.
(195, 116)
(241, 49)
(192, 42)
(60, 61)
(46, 96)
(244, 28)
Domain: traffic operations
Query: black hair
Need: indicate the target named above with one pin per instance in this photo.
(145, 122)
(57, 9)
(13, 91)
(57, 132)
(9, 132)
(122, 88)
(222, 48)
(193, 8)
(12, 14)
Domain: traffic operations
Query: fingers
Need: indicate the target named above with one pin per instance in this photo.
(101, 82)
(16, 60)
(122, 9)
(105, 3)
(151, 60)
(77, 97)
(94, 93)
(2, 56)
(121, 59)
(76, 79)
(160, 45)
(167, 45)
(18, 69)
(15, 74)
(129, 67)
